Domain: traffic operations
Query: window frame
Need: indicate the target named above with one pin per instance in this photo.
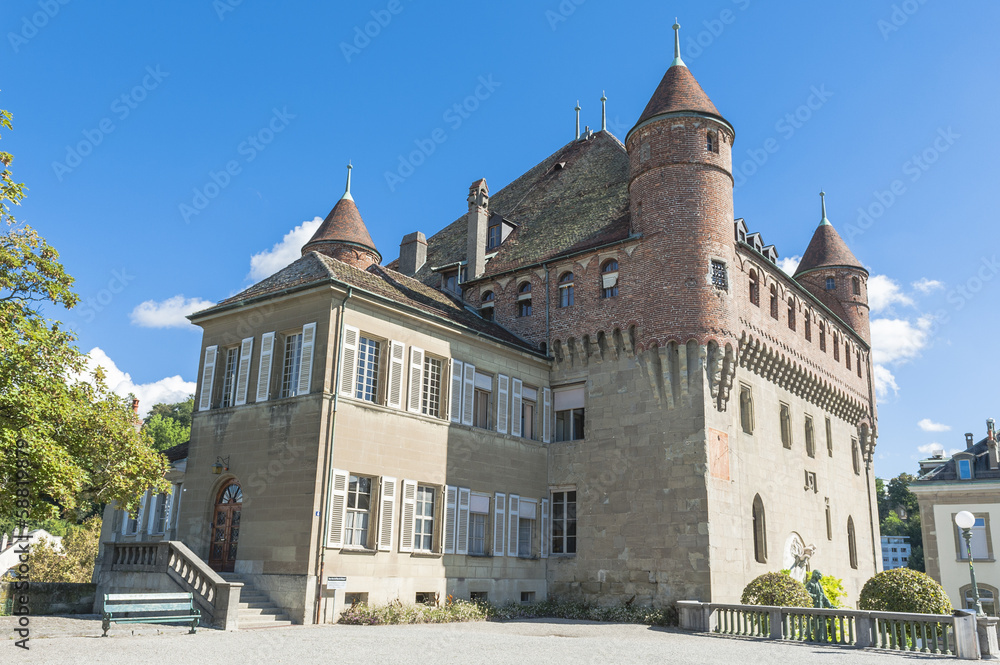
(719, 274)
(785, 423)
(831, 283)
(230, 376)
(606, 269)
(427, 388)
(420, 522)
(759, 527)
(566, 540)
(524, 300)
(362, 361)
(856, 456)
(961, 555)
(810, 434)
(754, 288)
(350, 514)
(852, 543)
(746, 409)
(291, 363)
(566, 289)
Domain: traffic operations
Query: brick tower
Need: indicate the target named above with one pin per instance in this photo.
(681, 193)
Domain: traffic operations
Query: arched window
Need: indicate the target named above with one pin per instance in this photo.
(810, 437)
(791, 314)
(852, 544)
(566, 290)
(487, 301)
(759, 531)
(712, 143)
(822, 337)
(774, 302)
(609, 279)
(847, 354)
(807, 320)
(836, 347)
(987, 598)
(856, 457)
(754, 288)
(524, 299)
(746, 409)
(857, 356)
(856, 286)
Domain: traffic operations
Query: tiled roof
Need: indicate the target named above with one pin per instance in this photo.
(980, 466)
(315, 268)
(678, 91)
(827, 249)
(343, 224)
(178, 452)
(558, 209)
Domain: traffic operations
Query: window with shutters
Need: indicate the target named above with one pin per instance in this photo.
(483, 401)
(291, 365)
(131, 523)
(229, 378)
(423, 520)
(367, 373)
(785, 417)
(359, 512)
(525, 527)
(528, 412)
(564, 522)
(569, 408)
(478, 521)
(430, 394)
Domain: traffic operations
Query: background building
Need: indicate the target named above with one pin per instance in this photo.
(895, 552)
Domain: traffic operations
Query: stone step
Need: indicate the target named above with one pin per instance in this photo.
(268, 624)
(260, 611)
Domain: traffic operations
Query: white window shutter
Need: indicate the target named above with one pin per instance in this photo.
(338, 508)
(264, 366)
(397, 354)
(464, 501)
(503, 384)
(168, 512)
(349, 364)
(409, 508)
(517, 389)
(416, 379)
(455, 399)
(449, 519)
(243, 378)
(387, 514)
(513, 514)
(208, 378)
(468, 394)
(499, 506)
(153, 499)
(543, 534)
(306, 361)
(546, 415)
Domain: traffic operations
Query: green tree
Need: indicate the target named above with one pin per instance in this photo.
(179, 412)
(882, 498)
(70, 440)
(74, 561)
(894, 499)
(167, 432)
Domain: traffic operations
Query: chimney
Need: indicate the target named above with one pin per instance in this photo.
(991, 444)
(968, 440)
(412, 253)
(135, 405)
(479, 214)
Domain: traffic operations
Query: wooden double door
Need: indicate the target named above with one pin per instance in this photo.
(226, 528)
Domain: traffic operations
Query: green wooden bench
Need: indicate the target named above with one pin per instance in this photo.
(150, 608)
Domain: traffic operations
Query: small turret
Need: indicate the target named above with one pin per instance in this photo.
(831, 272)
(343, 234)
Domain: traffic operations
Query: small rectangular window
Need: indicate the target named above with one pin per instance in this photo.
(527, 597)
(479, 596)
(495, 236)
(829, 438)
(831, 283)
(810, 437)
(569, 408)
(719, 277)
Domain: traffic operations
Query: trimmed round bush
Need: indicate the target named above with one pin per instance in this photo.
(904, 590)
(778, 590)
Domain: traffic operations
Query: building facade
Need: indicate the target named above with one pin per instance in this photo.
(596, 383)
(895, 552)
(969, 480)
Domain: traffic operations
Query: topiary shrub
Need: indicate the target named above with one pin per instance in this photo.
(776, 589)
(904, 590)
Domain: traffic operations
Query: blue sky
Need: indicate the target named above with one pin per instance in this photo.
(165, 146)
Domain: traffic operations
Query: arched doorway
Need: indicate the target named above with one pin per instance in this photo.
(226, 528)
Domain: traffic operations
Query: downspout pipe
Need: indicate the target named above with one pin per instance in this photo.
(325, 506)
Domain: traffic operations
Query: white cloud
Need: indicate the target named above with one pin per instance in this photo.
(283, 253)
(789, 264)
(926, 286)
(885, 382)
(931, 448)
(170, 313)
(929, 425)
(884, 292)
(168, 390)
(899, 340)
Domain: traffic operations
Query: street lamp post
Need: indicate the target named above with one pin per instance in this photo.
(965, 521)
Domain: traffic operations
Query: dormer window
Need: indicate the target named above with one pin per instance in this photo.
(449, 281)
(494, 233)
(965, 469)
(831, 283)
(486, 305)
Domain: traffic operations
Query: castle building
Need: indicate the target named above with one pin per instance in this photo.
(595, 384)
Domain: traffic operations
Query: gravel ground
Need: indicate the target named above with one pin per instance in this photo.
(77, 641)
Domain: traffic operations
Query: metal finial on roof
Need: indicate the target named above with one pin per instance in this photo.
(604, 111)
(677, 46)
(822, 196)
(577, 118)
(347, 191)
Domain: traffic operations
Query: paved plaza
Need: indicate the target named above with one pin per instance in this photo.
(58, 641)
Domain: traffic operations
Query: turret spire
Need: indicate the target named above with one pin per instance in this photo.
(677, 46)
(577, 119)
(604, 111)
(824, 221)
(347, 191)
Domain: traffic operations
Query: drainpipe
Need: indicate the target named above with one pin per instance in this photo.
(329, 457)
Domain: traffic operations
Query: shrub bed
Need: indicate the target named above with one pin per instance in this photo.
(778, 590)
(904, 590)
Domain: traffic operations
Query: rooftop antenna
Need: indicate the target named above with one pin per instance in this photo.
(604, 111)
(347, 191)
(578, 119)
(824, 221)
(677, 46)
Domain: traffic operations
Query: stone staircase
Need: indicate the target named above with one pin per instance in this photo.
(256, 609)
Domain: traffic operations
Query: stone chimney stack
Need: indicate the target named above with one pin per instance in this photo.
(479, 215)
(991, 443)
(412, 253)
(969, 441)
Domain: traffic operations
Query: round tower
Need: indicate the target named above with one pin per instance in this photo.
(343, 234)
(681, 196)
(831, 272)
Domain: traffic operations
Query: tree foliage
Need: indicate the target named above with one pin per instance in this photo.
(74, 561)
(180, 412)
(899, 515)
(777, 590)
(904, 590)
(166, 432)
(81, 446)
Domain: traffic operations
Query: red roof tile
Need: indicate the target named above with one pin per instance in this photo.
(827, 249)
(343, 224)
(678, 91)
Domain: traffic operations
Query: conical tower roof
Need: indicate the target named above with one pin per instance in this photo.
(827, 249)
(678, 92)
(343, 226)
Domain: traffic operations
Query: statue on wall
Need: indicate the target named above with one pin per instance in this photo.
(815, 589)
(797, 555)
